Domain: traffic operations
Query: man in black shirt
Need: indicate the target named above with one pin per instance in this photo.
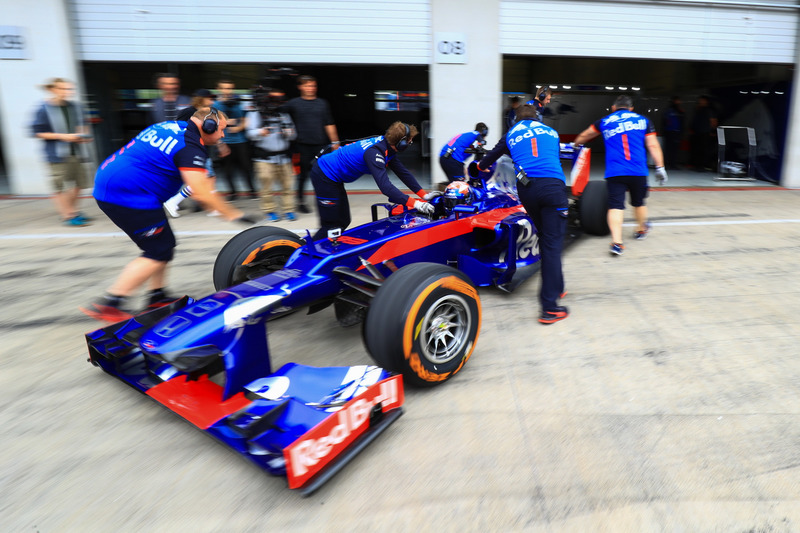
(315, 129)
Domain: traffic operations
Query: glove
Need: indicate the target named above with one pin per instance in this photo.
(431, 195)
(246, 220)
(423, 208)
(473, 170)
(661, 175)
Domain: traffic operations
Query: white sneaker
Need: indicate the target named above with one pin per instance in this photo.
(213, 214)
(172, 208)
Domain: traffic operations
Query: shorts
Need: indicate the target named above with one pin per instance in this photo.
(147, 228)
(618, 185)
(70, 171)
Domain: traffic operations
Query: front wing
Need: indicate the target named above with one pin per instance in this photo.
(302, 422)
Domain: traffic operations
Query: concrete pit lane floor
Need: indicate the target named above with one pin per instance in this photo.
(669, 400)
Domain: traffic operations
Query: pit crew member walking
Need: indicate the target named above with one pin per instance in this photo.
(130, 187)
(368, 156)
(453, 156)
(541, 187)
(628, 137)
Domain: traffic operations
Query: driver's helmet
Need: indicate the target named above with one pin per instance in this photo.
(457, 193)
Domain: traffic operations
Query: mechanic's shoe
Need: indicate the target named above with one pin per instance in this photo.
(76, 221)
(272, 217)
(159, 298)
(290, 216)
(171, 208)
(303, 209)
(553, 315)
(106, 310)
(617, 248)
(642, 235)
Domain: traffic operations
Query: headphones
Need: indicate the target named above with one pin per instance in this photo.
(542, 93)
(402, 144)
(209, 124)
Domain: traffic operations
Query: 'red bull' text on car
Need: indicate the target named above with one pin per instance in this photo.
(410, 280)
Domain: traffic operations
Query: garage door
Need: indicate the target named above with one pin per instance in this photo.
(754, 31)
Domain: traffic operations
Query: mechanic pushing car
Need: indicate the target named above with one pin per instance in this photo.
(628, 137)
(541, 187)
(130, 187)
(368, 156)
(453, 155)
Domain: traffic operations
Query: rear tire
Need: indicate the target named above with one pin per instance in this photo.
(253, 253)
(423, 322)
(594, 208)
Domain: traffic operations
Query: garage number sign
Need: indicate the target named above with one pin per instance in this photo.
(450, 47)
(13, 43)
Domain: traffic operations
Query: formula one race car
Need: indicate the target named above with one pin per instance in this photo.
(410, 279)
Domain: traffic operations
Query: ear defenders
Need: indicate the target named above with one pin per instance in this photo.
(542, 93)
(402, 144)
(209, 124)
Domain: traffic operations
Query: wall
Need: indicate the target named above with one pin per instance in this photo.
(464, 94)
(51, 55)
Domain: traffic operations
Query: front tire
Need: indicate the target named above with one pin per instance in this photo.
(424, 322)
(253, 253)
(593, 211)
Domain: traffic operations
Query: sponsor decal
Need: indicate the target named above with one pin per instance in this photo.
(622, 127)
(527, 241)
(529, 134)
(150, 136)
(309, 454)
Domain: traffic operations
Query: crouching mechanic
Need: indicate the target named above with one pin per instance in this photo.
(368, 156)
(541, 187)
(453, 154)
(130, 187)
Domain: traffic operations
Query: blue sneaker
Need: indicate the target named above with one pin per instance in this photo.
(290, 216)
(272, 217)
(76, 221)
(642, 235)
(84, 216)
(617, 248)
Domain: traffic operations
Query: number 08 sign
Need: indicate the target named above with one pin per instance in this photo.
(450, 47)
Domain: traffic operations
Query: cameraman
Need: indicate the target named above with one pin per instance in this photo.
(272, 131)
(235, 139)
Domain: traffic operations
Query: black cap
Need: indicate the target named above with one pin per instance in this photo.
(205, 93)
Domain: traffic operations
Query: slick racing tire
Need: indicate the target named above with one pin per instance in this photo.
(593, 212)
(423, 323)
(253, 253)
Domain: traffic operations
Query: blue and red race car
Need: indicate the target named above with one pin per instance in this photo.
(410, 280)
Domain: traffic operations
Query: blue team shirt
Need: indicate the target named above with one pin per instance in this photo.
(458, 144)
(624, 133)
(533, 147)
(146, 172)
(369, 156)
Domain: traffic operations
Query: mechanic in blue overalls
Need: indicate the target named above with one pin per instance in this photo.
(627, 135)
(130, 187)
(368, 156)
(542, 189)
(453, 154)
